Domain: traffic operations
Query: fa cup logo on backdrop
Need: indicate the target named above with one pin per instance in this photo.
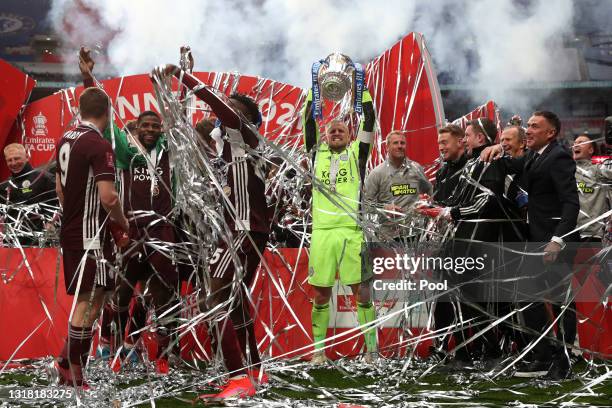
(40, 125)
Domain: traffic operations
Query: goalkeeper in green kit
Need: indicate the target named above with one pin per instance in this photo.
(336, 244)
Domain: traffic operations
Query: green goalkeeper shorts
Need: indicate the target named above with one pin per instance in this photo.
(335, 250)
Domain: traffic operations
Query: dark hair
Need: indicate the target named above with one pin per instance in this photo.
(593, 143)
(485, 126)
(251, 105)
(551, 118)
(93, 103)
(454, 130)
(148, 113)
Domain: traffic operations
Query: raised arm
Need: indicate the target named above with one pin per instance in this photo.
(123, 151)
(365, 136)
(310, 126)
(226, 114)
(117, 138)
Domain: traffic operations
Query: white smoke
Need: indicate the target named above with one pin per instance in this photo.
(495, 46)
(491, 46)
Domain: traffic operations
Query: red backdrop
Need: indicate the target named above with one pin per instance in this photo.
(15, 89)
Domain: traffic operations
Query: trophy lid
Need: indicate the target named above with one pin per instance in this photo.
(338, 58)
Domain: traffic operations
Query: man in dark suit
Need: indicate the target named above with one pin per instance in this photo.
(547, 172)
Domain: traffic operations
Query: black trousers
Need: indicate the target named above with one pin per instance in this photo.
(556, 283)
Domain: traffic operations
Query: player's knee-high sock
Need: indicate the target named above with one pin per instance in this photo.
(243, 323)
(366, 314)
(320, 321)
(224, 336)
(246, 338)
(76, 348)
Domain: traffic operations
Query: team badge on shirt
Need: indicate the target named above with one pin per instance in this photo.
(25, 186)
(227, 191)
(402, 189)
(585, 189)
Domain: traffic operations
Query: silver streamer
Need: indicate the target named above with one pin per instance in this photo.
(399, 378)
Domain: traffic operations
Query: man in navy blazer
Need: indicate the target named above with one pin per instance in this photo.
(548, 176)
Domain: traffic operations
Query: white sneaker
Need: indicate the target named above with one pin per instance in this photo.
(318, 358)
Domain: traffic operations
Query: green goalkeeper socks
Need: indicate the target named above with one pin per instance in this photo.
(320, 321)
(365, 315)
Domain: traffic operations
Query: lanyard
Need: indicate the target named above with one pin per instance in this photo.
(333, 171)
(334, 166)
(151, 167)
(90, 125)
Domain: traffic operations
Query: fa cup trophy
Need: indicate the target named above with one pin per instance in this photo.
(339, 79)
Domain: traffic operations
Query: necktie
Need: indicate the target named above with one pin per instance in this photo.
(531, 161)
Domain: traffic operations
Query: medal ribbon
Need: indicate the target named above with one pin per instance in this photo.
(333, 171)
(151, 166)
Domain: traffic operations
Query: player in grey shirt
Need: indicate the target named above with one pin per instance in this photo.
(393, 186)
(594, 191)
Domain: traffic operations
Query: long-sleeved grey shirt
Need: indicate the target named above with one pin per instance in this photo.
(594, 184)
(401, 186)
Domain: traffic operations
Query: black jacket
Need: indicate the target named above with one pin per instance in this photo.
(550, 183)
(28, 187)
(446, 179)
(480, 208)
